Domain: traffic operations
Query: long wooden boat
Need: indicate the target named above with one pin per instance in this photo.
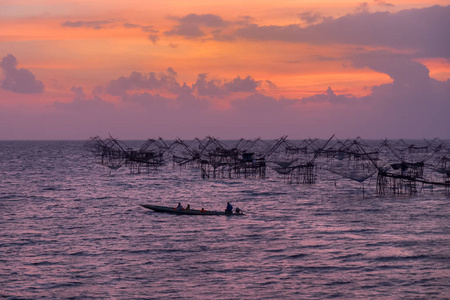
(173, 210)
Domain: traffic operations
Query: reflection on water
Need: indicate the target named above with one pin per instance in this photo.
(69, 229)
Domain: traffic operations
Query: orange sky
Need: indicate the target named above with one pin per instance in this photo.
(33, 32)
(89, 43)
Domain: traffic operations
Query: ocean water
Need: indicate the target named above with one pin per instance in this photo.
(72, 229)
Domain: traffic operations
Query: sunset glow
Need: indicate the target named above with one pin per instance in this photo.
(376, 69)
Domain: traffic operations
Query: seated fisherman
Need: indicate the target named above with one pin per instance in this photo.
(179, 207)
(229, 208)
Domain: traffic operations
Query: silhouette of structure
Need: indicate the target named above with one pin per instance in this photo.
(401, 168)
(115, 154)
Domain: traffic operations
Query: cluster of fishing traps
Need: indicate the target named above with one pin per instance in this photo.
(398, 166)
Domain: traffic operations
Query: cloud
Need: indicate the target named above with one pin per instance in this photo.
(423, 30)
(87, 24)
(413, 102)
(145, 99)
(217, 88)
(167, 82)
(383, 3)
(363, 7)
(413, 105)
(144, 28)
(330, 97)
(195, 26)
(158, 105)
(311, 18)
(244, 20)
(19, 80)
(153, 37)
(247, 84)
(209, 88)
(399, 67)
(187, 30)
(81, 103)
(259, 104)
(411, 79)
(139, 81)
(208, 20)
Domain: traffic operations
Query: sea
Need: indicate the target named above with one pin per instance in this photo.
(73, 229)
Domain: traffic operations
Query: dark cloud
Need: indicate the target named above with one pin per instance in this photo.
(424, 30)
(19, 80)
(217, 88)
(139, 81)
(247, 84)
(412, 103)
(411, 80)
(194, 26)
(207, 20)
(187, 30)
(167, 82)
(399, 67)
(208, 88)
(87, 24)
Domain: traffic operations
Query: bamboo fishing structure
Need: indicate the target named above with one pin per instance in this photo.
(397, 167)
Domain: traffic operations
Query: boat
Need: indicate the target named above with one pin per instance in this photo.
(173, 210)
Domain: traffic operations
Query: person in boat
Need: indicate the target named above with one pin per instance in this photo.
(188, 207)
(179, 207)
(229, 208)
(202, 210)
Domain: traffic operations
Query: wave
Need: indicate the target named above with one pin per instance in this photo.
(401, 258)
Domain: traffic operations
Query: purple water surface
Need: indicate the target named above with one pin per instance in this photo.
(73, 229)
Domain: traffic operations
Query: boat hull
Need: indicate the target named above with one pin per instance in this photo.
(172, 210)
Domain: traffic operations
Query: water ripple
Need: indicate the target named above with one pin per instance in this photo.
(71, 230)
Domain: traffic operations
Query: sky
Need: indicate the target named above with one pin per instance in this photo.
(137, 69)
